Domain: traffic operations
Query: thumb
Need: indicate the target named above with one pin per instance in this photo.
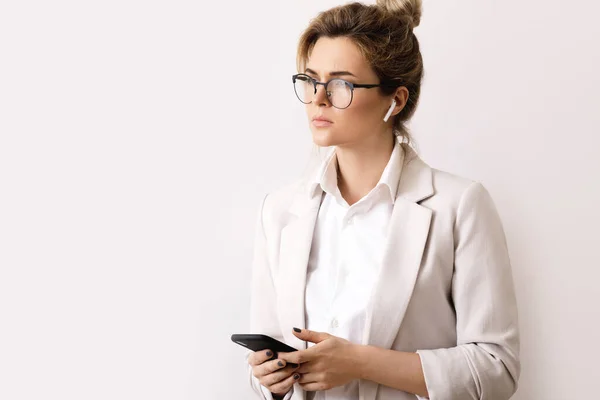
(310, 336)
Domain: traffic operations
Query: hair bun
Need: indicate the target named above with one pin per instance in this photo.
(408, 8)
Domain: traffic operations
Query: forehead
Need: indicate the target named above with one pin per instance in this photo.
(337, 54)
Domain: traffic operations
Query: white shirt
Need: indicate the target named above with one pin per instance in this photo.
(345, 256)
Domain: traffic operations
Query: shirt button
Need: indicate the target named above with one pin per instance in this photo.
(350, 221)
(334, 323)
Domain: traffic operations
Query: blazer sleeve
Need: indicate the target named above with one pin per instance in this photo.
(485, 363)
(263, 312)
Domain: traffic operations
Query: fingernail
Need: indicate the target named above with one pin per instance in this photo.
(280, 364)
(293, 365)
(296, 377)
(298, 329)
(269, 353)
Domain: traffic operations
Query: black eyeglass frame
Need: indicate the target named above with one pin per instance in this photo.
(350, 84)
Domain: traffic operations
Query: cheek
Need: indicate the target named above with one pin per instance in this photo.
(365, 105)
(360, 114)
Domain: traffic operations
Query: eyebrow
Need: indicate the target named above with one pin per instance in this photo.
(334, 73)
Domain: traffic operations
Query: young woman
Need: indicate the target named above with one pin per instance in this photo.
(390, 277)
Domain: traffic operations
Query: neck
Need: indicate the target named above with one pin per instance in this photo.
(360, 165)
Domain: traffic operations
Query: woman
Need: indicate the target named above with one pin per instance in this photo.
(391, 278)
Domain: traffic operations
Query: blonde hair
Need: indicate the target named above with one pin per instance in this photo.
(384, 34)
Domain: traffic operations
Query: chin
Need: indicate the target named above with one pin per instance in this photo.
(324, 137)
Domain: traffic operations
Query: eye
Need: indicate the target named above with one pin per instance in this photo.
(303, 78)
(338, 83)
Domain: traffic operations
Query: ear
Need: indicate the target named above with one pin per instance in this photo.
(401, 97)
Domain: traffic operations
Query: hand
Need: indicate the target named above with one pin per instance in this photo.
(275, 375)
(327, 364)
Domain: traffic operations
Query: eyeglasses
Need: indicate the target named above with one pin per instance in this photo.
(339, 91)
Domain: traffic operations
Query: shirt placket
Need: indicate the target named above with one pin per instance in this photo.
(346, 230)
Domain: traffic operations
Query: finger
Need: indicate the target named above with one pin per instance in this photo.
(268, 367)
(259, 357)
(285, 385)
(300, 356)
(314, 387)
(306, 368)
(277, 376)
(291, 368)
(310, 377)
(297, 357)
(310, 336)
(285, 356)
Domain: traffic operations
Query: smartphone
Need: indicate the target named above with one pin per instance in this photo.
(258, 342)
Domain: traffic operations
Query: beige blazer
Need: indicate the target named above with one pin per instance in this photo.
(445, 288)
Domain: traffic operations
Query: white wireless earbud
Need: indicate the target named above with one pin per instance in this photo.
(387, 116)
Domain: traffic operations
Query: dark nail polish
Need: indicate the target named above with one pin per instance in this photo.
(269, 353)
(297, 376)
(298, 330)
(280, 363)
(293, 365)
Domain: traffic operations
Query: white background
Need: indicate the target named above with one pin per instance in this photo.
(138, 137)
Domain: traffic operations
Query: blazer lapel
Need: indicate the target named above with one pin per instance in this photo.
(296, 240)
(408, 232)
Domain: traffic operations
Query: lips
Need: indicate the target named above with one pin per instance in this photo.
(321, 119)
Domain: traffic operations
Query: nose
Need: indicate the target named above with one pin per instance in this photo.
(321, 98)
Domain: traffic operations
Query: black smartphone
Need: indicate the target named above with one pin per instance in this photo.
(258, 342)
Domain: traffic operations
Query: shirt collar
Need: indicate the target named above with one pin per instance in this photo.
(326, 174)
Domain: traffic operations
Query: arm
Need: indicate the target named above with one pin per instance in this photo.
(403, 371)
(263, 314)
(485, 363)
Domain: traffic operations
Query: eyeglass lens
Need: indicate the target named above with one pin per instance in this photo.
(338, 91)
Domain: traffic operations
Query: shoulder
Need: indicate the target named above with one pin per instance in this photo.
(446, 187)
(449, 184)
(285, 194)
(278, 201)
(460, 196)
(451, 190)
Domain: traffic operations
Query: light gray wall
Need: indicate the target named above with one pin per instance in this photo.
(137, 139)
